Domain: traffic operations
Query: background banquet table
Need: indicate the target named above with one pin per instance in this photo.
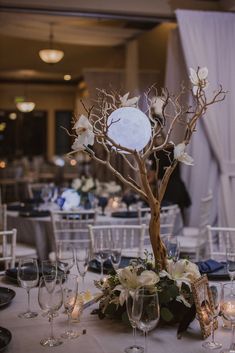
(37, 231)
(102, 336)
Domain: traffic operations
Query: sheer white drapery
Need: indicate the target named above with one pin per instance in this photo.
(208, 40)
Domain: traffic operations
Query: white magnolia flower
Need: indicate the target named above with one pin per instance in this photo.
(148, 278)
(125, 102)
(157, 105)
(181, 155)
(85, 135)
(198, 79)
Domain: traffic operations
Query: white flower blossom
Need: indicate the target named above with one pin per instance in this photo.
(157, 105)
(89, 184)
(198, 79)
(130, 280)
(85, 135)
(181, 155)
(76, 183)
(131, 102)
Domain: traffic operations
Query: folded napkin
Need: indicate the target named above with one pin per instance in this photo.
(209, 266)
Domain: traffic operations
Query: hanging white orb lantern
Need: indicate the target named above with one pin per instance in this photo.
(130, 128)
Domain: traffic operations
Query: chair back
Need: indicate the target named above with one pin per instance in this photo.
(72, 226)
(220, 238)
(35, 189)
(8, 247)
(131, 237)
(168, 216)
(3, 217)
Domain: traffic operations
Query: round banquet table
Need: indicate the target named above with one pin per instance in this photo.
(102, 336)
(37, 231)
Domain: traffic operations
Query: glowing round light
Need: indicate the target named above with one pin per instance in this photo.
(67, 77)
(12, 116)
(25, 107)
(51, 56)
(129, 127)
(2, 164)
(73, 162)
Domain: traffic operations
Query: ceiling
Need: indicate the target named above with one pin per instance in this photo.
(91, 33)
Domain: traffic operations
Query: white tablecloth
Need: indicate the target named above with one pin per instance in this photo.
(38, 231)
(103, 336)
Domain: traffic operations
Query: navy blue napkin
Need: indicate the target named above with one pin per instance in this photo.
(209, 266)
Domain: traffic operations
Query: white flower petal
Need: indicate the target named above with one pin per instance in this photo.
(132, 102)
(203, 73)
(182, 156)
(157, 105)
(195, 90)
(193, 76)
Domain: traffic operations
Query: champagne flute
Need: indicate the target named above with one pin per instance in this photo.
(46, 194)
(101, 252)
(50, 299)
(70, 292)
(116, 252)
(213, 311)
(147, 311)
(27, 277)
(82, 261)
(230, 259)
(228, 311)
(133, 317)
(65, 256)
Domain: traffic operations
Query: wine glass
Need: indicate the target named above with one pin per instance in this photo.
(228, 311)
(213, 311)
(230, 259)
(70, 292)
(83, 256)
(50, 299)
(49, 268)
(172, 247)
(101, 252)
(46, 194)
(65, 256)
(27, 277)
(116, 251)
(146, 311)
(132, 318)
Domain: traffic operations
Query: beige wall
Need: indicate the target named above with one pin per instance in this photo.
(46, 97)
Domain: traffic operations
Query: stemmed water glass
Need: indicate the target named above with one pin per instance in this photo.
(70, 292)
(116, 252)
(133, 315)
(27, 277)
(228, 311)
(101, 252)
(172, 247)
(50, 299)
(213, 311)
(46, 194)
(49, 268)
(65, 256)
(230, 259)
(83, 256)
(146, 311)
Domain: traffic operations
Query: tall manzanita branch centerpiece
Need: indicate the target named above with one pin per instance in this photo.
(120, 127)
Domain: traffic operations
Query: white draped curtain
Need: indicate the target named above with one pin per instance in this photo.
(207, 39)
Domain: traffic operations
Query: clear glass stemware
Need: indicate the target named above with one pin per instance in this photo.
(83, 257)
(228, 311)
(213, 312)
(102, 252)
(146, 311)
(230, 258)
(64, 256)
(133, 315)
(50, 299)
(70, 292)
(27, 277)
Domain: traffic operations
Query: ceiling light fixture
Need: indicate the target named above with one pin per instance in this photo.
(51, 55)
(67, 77)
(25, 107)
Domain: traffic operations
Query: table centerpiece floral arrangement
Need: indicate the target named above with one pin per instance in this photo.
(118, 125)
